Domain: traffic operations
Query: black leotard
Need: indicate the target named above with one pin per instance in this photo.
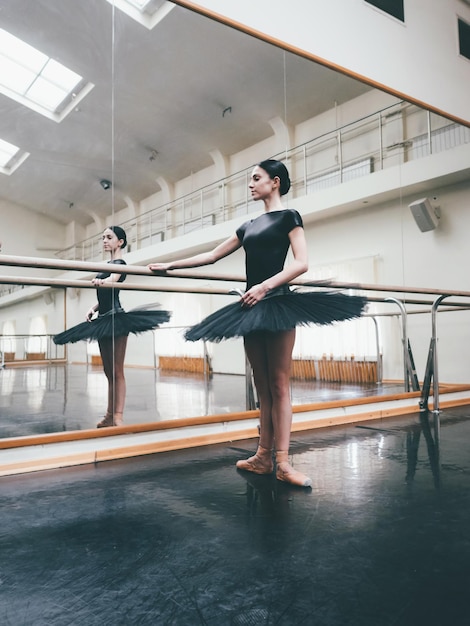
(266, 243)
(112, 320)
(108, 299)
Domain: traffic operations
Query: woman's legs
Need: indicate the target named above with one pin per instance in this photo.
(270, 356)
(120, 345)
(261, 462)
(255, 348)
(106, 352)
(113, 352)
(278, 349)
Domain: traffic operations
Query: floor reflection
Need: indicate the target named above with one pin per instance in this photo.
(429, 427)
(57, 398)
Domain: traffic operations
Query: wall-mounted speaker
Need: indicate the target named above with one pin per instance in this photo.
(426, 217)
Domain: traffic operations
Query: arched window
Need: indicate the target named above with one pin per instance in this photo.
(37, 340)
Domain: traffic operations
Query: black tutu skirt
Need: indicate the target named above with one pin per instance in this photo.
(277, 312)
(115, 323)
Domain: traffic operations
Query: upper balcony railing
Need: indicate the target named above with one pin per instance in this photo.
(395, 135)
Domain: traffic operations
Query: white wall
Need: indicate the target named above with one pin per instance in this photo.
(356, 37)
(24, 233)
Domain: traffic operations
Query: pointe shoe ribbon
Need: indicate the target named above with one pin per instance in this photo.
(260, 463)
(106, 421)
(117, 420)
(287, 474)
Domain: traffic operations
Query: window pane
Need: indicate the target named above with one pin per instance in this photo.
(60, 75)
(32, 78)
(15, 77)
(392, 7)
(7, 151)
(46, 94)
(464, 39)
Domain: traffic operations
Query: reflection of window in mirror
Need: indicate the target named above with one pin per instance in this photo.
(392, 7)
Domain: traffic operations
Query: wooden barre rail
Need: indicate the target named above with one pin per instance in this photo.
(35, 262)
(82, 284)
(59, 283)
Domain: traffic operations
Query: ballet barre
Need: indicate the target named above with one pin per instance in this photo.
(139, 270)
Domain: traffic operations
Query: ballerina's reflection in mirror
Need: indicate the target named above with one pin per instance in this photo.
(108, 323)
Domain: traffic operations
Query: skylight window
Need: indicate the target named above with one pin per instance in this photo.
(11, 157)
(146, 12)
(37, 81)
(140, 4)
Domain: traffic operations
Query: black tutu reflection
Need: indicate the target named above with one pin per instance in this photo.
(114, 323)
(279, 311)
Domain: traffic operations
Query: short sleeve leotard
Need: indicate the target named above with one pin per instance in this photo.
(112, 320)
(266, 243)
(108, 299)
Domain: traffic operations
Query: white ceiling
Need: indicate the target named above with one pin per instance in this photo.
(163, 89)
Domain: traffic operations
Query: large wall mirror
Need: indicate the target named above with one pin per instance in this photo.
(158, 133)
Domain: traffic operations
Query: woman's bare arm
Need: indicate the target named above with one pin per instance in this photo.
(205, 258)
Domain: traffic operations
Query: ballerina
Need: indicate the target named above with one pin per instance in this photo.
(111, 327)
(269, 311)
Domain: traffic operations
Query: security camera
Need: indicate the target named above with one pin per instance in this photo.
(105, 184)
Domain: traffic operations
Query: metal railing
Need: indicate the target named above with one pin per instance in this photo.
(18, 348)
(395, 135)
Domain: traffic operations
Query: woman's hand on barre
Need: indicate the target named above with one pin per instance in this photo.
(159, 267)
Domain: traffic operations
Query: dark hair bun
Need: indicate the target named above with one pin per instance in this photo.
(277, 168)
(120, 234)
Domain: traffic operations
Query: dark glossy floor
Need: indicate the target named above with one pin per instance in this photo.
(56, 398)
(182, 538)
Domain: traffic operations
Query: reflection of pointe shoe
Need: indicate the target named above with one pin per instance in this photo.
(287, 474)
(118, 421)
(260, 482)
(106, 421)
(259, 490)
(260, 463)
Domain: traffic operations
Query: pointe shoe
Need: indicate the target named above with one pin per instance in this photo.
(260, 463)
(106, 421)
(117, 420)
(287, 474)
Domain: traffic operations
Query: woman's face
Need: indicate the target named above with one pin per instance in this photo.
(261, 184)
(111, 243)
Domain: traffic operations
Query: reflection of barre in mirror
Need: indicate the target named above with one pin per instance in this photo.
(328, 384)
(108, 323)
